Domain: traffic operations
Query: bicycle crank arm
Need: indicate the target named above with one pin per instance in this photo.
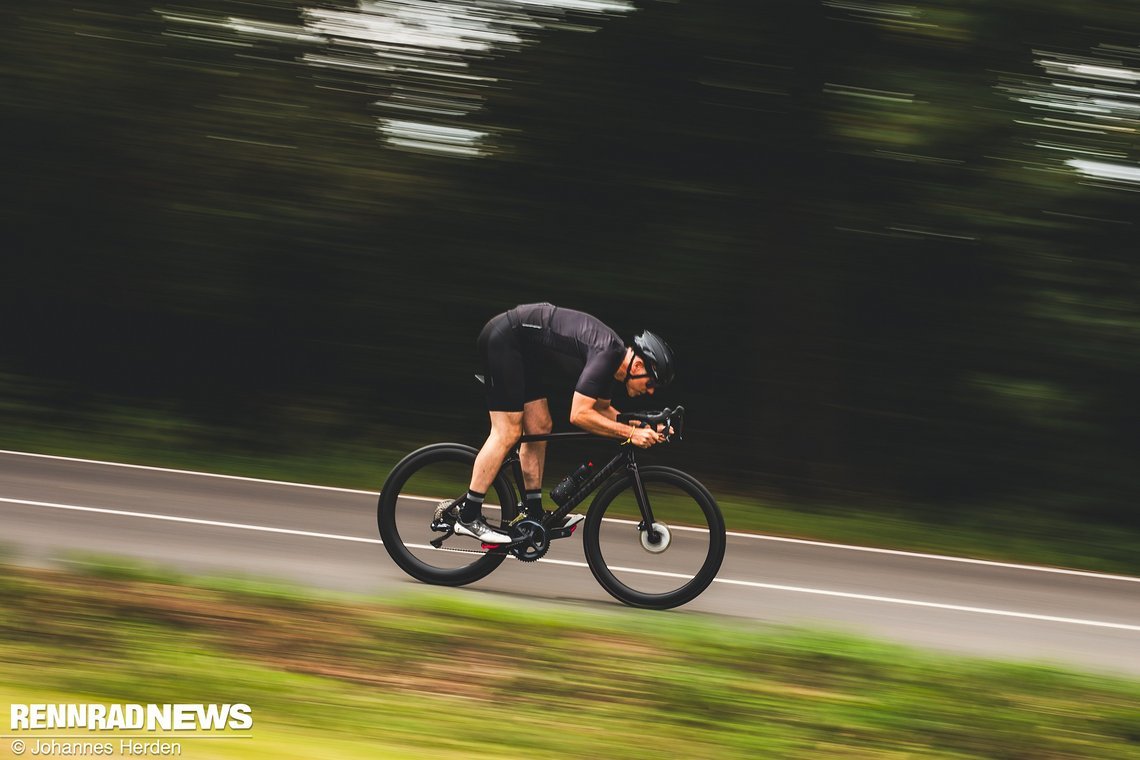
(554, 533)
(550, 535)
(512, 545)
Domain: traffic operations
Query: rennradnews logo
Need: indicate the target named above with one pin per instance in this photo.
(132, 717)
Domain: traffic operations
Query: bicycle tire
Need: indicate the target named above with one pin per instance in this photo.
(455, 454)
(709, 565)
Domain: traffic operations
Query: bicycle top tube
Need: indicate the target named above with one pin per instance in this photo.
(556, 436)
(666, 415)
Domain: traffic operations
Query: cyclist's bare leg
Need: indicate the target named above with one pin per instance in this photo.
(506, 428)
(536, 421)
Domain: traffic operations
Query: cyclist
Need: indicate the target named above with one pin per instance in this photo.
(516, 348)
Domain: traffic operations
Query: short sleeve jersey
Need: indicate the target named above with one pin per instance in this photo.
(573, 340)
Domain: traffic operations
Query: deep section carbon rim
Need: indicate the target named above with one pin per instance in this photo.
(408, 503)
(649, 576)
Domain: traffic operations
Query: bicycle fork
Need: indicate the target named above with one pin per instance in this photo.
(647, 524)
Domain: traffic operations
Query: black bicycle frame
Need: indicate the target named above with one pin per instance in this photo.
(626, 457)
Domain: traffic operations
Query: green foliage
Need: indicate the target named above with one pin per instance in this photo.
(380, 675)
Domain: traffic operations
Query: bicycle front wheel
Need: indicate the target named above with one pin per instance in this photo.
(408, 501)
(661, 568)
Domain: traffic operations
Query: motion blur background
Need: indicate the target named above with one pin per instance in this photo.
(893, 244)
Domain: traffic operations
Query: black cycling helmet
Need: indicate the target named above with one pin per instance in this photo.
(657, 355)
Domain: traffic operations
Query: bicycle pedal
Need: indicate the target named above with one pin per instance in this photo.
(554, 533)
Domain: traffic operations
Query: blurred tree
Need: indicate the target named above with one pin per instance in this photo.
(882, 236)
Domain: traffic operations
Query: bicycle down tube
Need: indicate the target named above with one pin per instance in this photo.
(627, 457)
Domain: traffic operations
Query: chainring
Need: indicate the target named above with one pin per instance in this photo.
(532, 541)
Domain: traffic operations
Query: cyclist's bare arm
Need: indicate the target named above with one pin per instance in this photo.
(606, 408)
(599, 417)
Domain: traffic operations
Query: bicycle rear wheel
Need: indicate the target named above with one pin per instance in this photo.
(407, 505)
(668, 567)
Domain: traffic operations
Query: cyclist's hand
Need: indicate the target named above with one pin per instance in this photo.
(644, 437)
(661, 428)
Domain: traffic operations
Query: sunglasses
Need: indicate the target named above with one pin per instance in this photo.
(651, 374)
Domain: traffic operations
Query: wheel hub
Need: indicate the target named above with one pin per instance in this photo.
(657, 538)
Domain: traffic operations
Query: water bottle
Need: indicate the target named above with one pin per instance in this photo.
(571, 483)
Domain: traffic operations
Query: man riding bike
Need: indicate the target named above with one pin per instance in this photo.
(515, 348)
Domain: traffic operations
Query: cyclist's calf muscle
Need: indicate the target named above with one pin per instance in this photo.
(506, 428)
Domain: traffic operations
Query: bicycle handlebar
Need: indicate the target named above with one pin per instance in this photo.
(672, 419)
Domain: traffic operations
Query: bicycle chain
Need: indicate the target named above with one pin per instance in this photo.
(525, 552)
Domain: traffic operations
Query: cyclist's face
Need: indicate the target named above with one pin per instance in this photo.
(639, 381)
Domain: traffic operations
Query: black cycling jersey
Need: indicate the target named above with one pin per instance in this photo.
(519, 345)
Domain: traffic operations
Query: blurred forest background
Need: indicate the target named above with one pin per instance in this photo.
(893, 244)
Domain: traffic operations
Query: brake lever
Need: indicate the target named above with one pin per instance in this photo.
(665, 419)
(679, 412)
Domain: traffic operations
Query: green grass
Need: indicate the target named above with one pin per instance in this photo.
(332, 676)
(363, 459)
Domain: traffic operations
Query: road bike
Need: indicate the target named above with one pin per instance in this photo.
(653, 536)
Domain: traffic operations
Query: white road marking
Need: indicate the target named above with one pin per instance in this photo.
(185, 472)
(570, 563)
(191, 520)
(945, 558)
(734, 534)
(938, 605)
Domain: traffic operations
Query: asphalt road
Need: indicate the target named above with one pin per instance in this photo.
(327, 538)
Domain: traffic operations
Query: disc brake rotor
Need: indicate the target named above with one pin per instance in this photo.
(660, 532)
